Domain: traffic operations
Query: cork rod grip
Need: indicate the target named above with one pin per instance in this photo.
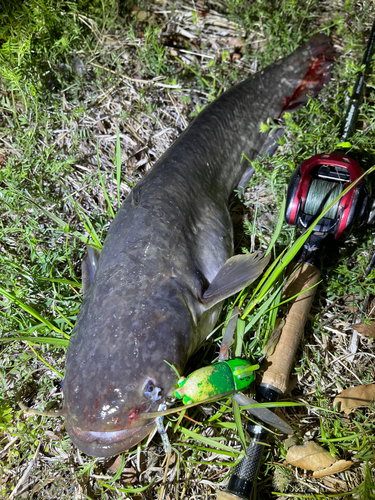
(280, 363)
(225, 495)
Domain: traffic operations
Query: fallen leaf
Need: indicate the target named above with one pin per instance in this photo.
(116, 465)
(101, 127)
(309, 456)
(337, 467)
(368, 330)
(129, 475)
(355, 397)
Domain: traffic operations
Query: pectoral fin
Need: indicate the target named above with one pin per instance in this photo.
(237, 273)
(89, 267)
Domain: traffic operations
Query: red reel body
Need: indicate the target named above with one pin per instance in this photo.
(316, 183)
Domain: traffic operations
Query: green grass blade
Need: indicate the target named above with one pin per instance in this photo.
(280, 404)
(87, 223)
(38, 340)
(103, 186)
(263, 309)
(238, 421)
(33, 312)
(44, 361)
(209, 441)
(193, 71)
(129, 490)
(278, 227)
(64, 281)
(60, 222)
(119, 471)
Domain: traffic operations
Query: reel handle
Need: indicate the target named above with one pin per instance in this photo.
(280, 363)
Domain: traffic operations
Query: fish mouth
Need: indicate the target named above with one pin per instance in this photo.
(107, 443)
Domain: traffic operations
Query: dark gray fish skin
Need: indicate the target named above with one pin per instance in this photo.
(170, 238)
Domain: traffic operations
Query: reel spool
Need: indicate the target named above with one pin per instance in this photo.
(316, 183)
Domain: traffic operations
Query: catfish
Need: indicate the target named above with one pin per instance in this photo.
(167, 263)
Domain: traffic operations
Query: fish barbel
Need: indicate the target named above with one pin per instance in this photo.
(167, 265)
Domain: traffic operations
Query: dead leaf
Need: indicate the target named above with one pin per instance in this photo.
(101, 127)
(116, 465)
(337, 467)
(309, 456)
(351, 302)
(355, 397)
(368, 330)
(129, 475)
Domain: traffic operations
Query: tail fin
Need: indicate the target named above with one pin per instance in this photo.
(318, 74)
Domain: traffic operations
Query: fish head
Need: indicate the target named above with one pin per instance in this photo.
(119, 368)
(107, 422)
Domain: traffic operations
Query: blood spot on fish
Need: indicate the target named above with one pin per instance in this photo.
(315, 78)
(133, 415)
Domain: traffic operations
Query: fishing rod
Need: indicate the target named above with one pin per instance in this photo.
(313, 187)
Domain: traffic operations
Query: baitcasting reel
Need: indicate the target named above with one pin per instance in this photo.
(316, 183)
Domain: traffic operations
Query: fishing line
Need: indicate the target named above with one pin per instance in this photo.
(320, 195)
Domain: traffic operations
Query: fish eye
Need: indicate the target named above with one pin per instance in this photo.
(149, 388)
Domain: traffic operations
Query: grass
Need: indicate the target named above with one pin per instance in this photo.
(55, 121)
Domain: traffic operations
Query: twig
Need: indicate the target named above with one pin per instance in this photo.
(165, 476)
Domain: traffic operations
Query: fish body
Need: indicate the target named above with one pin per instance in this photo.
(164, 270)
